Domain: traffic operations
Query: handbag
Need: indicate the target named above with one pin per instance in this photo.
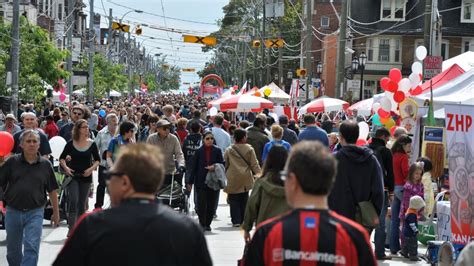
(366, 215)
(242, 157)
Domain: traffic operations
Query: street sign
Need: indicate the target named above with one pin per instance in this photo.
(274, 43)
(120, 27)
(211, 41)
(188, 70)
(432, 66)
(348, 73)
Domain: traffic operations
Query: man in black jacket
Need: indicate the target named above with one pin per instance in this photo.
(384, 157)
(288, 134)
(137, 230)
(359, 176)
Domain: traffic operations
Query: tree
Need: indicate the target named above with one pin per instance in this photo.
(39, 60)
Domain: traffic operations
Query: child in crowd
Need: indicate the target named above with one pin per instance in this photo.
(427, 185)
(410, 228)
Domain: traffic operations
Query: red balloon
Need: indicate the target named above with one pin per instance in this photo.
(392, 86)
(395, 75)
(6, 143)
(392, 130)
(384, 83)
(417, 91)
(382, 113)
(399, 96)
(361, 142)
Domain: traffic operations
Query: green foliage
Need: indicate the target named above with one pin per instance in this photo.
(39, 60)
(107, 76)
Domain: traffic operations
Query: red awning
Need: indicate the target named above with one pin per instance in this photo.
(442, 77)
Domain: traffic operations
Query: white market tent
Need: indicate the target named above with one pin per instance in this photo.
(465, 61)
(277, 93)
(80, 92)
(459, 90)
(114, 93)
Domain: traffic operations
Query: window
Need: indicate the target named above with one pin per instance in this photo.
(393, 10)
(370, 50)
(60, 11)
(325, 22)
(384, 50)
(468, 44)
(467, 10)
(369, 87)
(40, 6)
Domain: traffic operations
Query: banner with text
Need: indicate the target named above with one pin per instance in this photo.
(460, 145)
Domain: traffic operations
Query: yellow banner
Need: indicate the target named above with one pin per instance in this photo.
(211, 41)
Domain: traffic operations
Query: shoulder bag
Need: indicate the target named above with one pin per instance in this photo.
(366, 215)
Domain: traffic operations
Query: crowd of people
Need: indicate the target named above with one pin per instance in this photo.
(301, 184)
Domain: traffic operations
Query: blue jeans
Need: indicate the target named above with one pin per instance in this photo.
(23, 228)
(395, 221)
(380, 233)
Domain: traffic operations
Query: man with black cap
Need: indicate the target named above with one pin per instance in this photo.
(288, 134)
(171, 148)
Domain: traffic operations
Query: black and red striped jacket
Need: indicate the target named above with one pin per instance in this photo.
(309, 237)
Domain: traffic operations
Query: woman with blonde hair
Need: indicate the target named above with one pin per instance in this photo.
(277, 135)
(79, 158)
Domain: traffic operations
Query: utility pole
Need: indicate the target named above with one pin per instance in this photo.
(280, 55)
(244, 61)
(70, 26)
(255, 55)
(341, 56)
(91, 35)
(129, 64)
(263, 81)
(427, 26)
(15, 56)
(309, 35)
(109, 44)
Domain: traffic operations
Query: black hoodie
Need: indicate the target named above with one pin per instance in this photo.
(359, 178)
(384, 156)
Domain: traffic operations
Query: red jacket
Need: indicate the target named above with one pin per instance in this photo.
(400, 168)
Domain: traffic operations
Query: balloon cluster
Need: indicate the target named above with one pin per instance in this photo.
(397, 89)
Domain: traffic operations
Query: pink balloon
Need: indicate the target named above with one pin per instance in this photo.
(62, 97)
(6, 143)
(395, 75)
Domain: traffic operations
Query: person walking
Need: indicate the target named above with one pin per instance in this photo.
(10, 125)
(137, 225)
(241, 168)
(125, 136)
(79, 159)
(102, 141)
(50, 129)
(30, 123)
(359, 176)
(257, 138)
(277, 134)
(150, 127)
(311, 232)
(384, 157)
(312, 131)
(77, 113)
(191, 144)
(267, 199)
(288, 134)
(26, 177)
(204, 160)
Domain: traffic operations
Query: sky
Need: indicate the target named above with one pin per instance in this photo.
(201, 16)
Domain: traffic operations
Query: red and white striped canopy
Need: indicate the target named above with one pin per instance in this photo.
(242, 103)
(324, 104)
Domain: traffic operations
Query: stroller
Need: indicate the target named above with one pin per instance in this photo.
(174, 194)
(62, 198)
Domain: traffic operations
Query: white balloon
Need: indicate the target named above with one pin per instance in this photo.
(421, 52)
(363, 130)
(417, 68)
(376, 107)
(414, 80)
(386, 104)
(404, 85)
(213, 111)
(57, 145)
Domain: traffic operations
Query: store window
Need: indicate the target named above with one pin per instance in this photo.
(392, 10)
(467, 11)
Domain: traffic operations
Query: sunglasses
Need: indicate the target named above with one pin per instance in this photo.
(109, 174)
(77, 113)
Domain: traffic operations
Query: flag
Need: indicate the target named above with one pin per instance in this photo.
(243, 89)
(430, 120)
(294, 92)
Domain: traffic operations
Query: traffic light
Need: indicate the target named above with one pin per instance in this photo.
(256, 43)
(301, 72)
(138, 30)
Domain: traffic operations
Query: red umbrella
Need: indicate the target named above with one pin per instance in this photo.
(324, 104)
(242, 103)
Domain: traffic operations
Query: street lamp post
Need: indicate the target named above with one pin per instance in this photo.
(359, 63)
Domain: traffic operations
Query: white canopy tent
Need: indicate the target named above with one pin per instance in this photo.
(80, 92)
(277, 93)
(458, 91)
(465, 61)
(114, 93)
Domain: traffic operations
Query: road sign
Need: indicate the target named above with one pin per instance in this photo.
(188, 69)
(120, 27)
(432, 66)
(274, 43)
(211, 41)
